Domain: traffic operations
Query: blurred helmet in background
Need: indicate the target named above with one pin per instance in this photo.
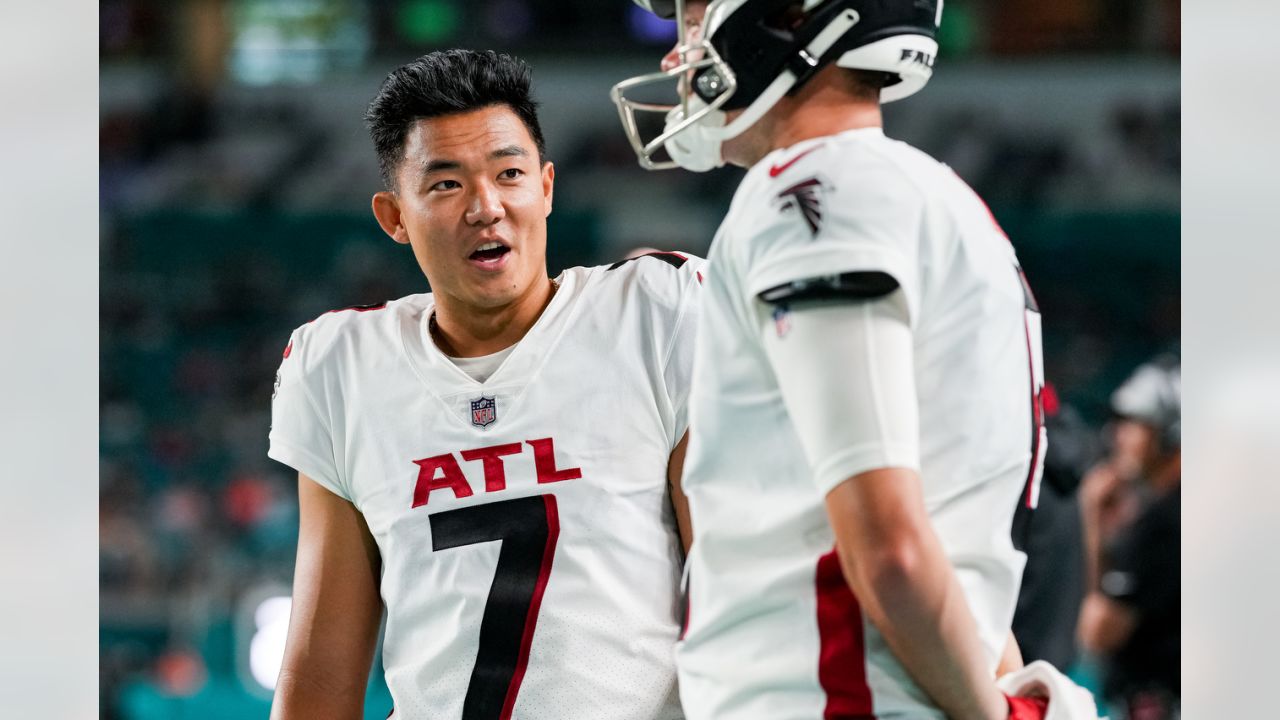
(753, 52)
(1152, 396)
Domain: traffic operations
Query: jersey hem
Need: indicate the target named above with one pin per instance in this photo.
(855, 461)
(307, 463)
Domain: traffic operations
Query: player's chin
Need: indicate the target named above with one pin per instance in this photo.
(495, 291)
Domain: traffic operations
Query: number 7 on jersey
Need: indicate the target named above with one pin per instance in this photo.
(528, 528)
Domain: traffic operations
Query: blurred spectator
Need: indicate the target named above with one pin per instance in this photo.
(1136, 160)
(1131, 508)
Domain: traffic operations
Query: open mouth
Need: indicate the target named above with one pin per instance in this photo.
(490, 252)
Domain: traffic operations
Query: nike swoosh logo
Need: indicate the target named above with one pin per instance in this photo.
(777, 170)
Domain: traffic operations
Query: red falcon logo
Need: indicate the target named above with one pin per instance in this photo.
(804, 197)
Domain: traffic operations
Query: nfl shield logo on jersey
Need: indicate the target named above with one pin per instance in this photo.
(484, 412)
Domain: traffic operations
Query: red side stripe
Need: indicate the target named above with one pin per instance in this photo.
(842, 664)
(1037, 422)
(531, 619)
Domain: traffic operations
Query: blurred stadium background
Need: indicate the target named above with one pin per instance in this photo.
(235, 176)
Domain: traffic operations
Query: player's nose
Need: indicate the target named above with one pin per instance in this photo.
(485, 206)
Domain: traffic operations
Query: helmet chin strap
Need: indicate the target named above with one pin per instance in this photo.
(695, 148)
(698, 148)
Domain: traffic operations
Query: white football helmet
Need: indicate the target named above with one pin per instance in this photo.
(1153, 395)
(744, 61)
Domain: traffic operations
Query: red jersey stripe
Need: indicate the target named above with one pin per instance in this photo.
(842, 664)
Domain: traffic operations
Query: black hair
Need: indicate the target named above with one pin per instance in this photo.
(446, 82)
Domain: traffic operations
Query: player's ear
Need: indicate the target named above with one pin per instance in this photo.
(386, 208)
(548, 185)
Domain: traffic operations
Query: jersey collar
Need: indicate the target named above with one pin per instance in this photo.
(444, 379)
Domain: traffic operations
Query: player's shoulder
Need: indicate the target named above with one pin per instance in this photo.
(851, 177)
(663, 277)
(862, 167)
(329, 336)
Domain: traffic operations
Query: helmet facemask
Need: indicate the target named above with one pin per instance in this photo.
(771, 62)
(690, 134)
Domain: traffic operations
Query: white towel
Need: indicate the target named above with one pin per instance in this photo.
(1067, 700)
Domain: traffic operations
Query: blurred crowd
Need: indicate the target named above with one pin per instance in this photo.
(183, 150)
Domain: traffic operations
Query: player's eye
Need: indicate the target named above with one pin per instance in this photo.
(447, 185)
(511, 174)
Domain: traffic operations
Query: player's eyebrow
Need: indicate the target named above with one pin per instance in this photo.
(503, 152)
(508, 151)
(438, 165)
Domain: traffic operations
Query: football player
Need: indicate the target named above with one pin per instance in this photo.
(866, 413)
(492, 461)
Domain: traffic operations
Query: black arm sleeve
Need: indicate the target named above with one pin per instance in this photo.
(845, 286)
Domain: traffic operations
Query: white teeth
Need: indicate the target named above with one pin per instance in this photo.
(489, 246)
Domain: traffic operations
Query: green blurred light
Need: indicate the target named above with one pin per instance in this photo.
(957, 35)
(428, 21)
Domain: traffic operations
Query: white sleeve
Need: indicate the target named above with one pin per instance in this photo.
(301, 435)
(847, 379)
(867, 222)
(677, 373)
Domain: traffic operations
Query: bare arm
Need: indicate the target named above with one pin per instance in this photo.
(895, 565)
(333, 626)
(846, 374)
(1105, 624)
(675, 468)
(1011, 659)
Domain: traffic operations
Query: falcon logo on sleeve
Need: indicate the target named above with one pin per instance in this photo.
(804, 197)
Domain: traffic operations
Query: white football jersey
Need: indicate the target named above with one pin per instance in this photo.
(773, 630)
(530, 557)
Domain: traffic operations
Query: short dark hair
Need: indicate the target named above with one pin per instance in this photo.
(446, 82)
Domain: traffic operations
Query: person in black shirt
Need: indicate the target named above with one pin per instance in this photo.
(1131, 507)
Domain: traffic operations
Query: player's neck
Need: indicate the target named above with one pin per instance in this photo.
(465, 331)
(822, 108)
(828, 111)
